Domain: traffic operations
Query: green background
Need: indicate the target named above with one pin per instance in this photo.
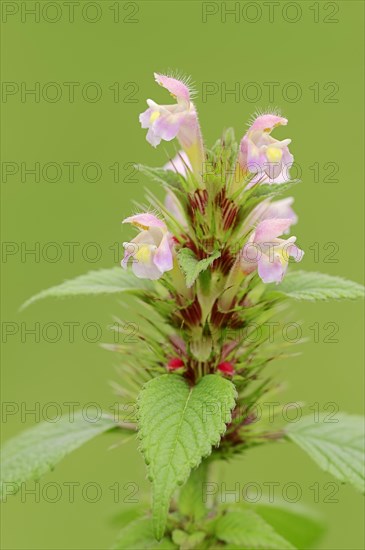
(170, 35)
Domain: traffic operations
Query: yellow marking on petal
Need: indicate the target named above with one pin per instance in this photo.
(140, 226)
(154, 116)
(282, 254)
(143, 254)
(274, 154)
(268, 130)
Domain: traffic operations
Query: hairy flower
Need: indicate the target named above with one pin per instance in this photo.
(267, 210)
(180, 120)
(179, 164)
(280, 209)
(264, 156)
(151, 251)
(269, 254)
(174, 207)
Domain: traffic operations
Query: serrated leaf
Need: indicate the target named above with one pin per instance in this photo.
(138, 535)
(168, 178)
(246, 529)
(260, 192)
(36, 451)
(265, 190)
(191, 266)
(191, 503)
(102, 281)
(298, 525)
(337, 447)
(312, 286)
(178, 427)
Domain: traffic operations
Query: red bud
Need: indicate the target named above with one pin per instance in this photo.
(175, 363)
(226, 368)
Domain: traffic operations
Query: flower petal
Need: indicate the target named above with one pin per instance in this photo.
(278, 209)
(271, 229)
(295, 252)
(180, 164)
(129, 249)
(268, 122)
(143, 266)
(167, 125)
(174, 86)
(174, 207)
(146, 271)
(145, 117)
(145, 220)
(163, 255)
(152, 138)
(271, 270)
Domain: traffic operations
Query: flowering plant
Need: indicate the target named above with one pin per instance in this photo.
(211, 265)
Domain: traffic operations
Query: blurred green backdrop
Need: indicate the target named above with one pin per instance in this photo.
(91, 66)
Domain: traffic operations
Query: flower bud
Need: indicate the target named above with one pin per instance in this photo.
(226, 368)
(175, 363)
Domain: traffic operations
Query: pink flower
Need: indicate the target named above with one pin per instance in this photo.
(226, 368)
(151, 250)
(179, 164)
(263, 155)
(269, 254)
(267, 210)
(280, 209)
(174, 207)
(179, 120)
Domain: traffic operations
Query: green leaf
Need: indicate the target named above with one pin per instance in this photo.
(103, 281)
(178, 426)
(186, 541)
(265, 190)
(138, 535)
(125, 516)
(168, 178)
(179, 536)
(303, 285)
(193, 267)
(256, 194)
(246, 529)
(191, 502)
(337, 447)
(36, 451)
(298, 525)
